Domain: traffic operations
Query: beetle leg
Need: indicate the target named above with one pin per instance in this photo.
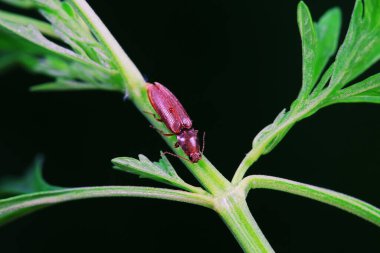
(178, 156)
(154, 115)
(164, 134)
(161, 132)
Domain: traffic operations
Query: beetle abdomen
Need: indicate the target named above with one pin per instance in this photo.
(168, 108)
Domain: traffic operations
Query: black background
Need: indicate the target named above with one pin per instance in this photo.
(234, 65)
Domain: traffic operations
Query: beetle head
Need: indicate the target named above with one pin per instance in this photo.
(195, 157)
(188, 141)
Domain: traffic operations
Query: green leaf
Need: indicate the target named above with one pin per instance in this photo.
(34, 193)
(15, 207)
(72, 75)
(72, 30)
(44, 27)
(31, 181)
(10, 44)
(339, 200)
(86, 64)
(162, 171)
(319, 43)
(361, 47)
(20, 3)
(309, 47)
(367, 91)
(328, 31)
(33, 35)
(166, 166)
(68, 85)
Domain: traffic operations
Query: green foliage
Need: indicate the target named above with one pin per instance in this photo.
(339, 200)
(69, 85)
(31, 181)
(83, 63)
(33, 192)
(359, 51)
(20, 3)
(367, 91)
(321, 85)
(75, 48)
(361, 47)
(161, 171)
(319, 43)
(18, 206)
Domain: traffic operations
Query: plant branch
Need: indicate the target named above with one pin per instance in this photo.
(234, 211)
(15, 207)
(133, 80)
(339, 200)
(254, 154)
(204, 171)
(299, 111)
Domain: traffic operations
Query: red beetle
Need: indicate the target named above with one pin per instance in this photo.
(175, 117)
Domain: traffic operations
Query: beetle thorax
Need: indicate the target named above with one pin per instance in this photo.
(188, 141)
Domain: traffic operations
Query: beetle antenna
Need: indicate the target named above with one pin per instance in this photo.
(175, 155)
(203, 142)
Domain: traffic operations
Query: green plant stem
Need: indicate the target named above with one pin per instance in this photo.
(204, 171)
(20, 205)
(339, 200)
(234, 211)
(208, 176)
(227, 199)
(254, 154)
(301, 111)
